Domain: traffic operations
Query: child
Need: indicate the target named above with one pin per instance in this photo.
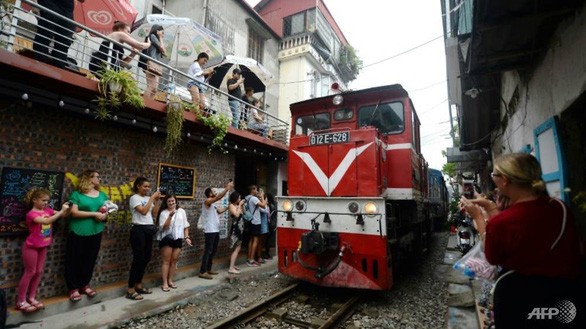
(34, 249)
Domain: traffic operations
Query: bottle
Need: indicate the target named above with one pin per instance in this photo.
(467, 271)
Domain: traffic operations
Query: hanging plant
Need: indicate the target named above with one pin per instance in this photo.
(174, 126)
(115, 89)
(218, 123)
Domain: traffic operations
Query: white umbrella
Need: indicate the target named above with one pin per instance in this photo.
(184, 39)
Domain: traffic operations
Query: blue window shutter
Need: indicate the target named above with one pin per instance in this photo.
(549, 153)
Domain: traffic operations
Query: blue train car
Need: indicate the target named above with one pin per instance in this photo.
(438, 198)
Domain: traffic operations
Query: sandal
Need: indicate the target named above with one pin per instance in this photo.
(25, 307)
(144, 291)
(235, 271)
(74, 295)
(165, 289)
(172, 285)
(134, 295)
(39, 305)
(88, 291)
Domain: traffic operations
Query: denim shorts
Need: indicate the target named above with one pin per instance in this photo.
(200, 85)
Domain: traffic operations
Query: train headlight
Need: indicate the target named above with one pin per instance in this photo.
(370, 208)
(353, 207)
(287, 205)
(300, 205)
(337, 100)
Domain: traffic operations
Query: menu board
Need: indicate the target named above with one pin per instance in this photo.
(177, 180)
(14, 184)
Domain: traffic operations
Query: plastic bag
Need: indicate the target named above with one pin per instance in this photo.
(475, 266)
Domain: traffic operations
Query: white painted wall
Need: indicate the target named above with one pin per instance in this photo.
(551, 88)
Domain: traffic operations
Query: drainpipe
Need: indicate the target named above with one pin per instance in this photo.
(205, 12)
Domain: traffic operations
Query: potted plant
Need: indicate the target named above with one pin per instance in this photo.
(117, 87)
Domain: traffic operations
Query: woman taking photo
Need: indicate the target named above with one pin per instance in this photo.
(156, 51)
(85, 235)
(173, 230)
(235, 209)
(141, 235)
(534, 240)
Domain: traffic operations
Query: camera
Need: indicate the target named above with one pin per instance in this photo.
(163, 190)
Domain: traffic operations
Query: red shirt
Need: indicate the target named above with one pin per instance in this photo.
(39, 234)
(520, 238)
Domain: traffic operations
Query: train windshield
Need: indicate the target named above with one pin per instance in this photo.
(306, 124)
(388, 118)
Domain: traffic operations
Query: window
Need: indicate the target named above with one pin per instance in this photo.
(343, 114)
(299, 23)
(388, 118)
(255, 45)
(307, 124)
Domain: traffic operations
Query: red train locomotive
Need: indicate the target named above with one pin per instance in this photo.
(356, 188)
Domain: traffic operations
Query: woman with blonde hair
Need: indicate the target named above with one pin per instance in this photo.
(534, 240)
(85, 234)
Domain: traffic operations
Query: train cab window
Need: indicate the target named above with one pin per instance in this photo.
(388, 118)
(343, 114)
(307, 124)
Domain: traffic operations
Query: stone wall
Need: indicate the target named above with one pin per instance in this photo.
(52, 139)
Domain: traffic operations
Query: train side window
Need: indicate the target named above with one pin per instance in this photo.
(304, 125)
(343, 114)
(388, 118)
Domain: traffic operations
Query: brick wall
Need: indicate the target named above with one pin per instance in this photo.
(52, 139)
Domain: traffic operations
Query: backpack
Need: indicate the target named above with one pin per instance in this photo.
(248, 216)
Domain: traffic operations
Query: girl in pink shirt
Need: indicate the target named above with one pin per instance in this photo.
(34, 249)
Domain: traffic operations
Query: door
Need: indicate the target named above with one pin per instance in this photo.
(549, 153)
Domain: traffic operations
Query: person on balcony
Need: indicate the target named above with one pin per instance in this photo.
(196, 85)
(56, 29)
(257, 122)
(236, 92)
(156, 51)
(113, 53)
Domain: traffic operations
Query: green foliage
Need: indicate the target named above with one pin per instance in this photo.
(174, 126)
(218, 123)
(449, 169)
(349, 57)
(129, 93)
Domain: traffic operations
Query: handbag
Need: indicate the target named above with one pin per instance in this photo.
(201, 222)
(154, 68)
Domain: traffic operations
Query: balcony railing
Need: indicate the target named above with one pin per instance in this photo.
(17, 34)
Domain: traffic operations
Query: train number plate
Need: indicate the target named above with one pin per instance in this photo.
(330, 138)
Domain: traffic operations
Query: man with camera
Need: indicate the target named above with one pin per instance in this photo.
(210, 212)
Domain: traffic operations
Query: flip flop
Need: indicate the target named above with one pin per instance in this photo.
(25, 307)
(172, 285)
(88, 291)
(234, 272)
(74, 295)
(39, 305)
(165, 289)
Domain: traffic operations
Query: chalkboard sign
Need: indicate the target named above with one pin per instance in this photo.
(14, 183)
(177, 180)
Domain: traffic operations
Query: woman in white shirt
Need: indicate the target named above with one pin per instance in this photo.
(173, 229)
(141, 235)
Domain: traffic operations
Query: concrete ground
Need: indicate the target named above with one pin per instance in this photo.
(110, 308)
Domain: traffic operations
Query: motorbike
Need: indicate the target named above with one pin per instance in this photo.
(465, 234)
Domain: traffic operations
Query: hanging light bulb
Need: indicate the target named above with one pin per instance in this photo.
(133, 121)
(87, 111)
(188, 134)
(61, 103)
(24, 97)
(235, 146)
(115, 118)
(155, 129)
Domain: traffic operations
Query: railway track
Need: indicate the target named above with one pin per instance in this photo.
(274, 307)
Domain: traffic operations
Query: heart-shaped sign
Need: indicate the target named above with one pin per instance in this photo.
(101, 17)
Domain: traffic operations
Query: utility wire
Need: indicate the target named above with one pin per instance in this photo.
(403, 52)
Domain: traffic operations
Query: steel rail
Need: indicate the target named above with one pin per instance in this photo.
(341, 313)
(255, 310)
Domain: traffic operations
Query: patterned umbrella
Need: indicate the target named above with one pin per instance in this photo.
(184, 39)
(100, 15)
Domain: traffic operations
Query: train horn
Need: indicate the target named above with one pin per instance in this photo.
(335, 87)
